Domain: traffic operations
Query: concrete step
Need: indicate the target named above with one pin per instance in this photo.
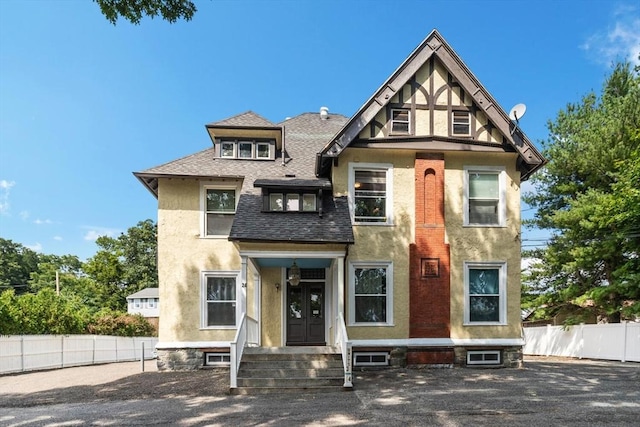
(289, 369)
(271, 372)
(305, 383)
(291, 364)
(279, 390)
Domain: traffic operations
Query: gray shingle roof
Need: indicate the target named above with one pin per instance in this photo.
(145, 293)
(246, 119)
(305, 135)
(252, 224)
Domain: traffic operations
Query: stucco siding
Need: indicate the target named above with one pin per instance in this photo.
(182, 256)
(483, 243)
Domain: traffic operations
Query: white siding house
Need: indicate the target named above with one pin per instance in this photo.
(144, 302)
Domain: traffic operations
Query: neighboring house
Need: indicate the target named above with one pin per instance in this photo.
(394, 233)
(145, 303)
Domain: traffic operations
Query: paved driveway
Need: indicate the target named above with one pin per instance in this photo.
(547, 392)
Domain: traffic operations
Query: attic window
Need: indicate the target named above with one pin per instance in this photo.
(461, 123)
(246, 149)
(399, 121)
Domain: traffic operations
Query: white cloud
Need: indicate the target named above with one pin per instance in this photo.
(620, 41)
(94, 232)
(58, 238)
(5, 189)
(42, 221)
(37, 247)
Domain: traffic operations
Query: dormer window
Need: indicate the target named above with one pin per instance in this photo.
(246, 149)
(400, 121)
(292, 202)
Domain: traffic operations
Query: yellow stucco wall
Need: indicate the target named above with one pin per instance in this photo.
(391, 243)
(182, 256)
(384, 243)
(271, 302)
(483, 243)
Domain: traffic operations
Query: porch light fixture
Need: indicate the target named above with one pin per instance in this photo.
(294, 274)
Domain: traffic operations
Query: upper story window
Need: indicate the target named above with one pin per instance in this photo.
(485, 293)
(461, 123)
(292, 202)
(484, 196)
(400, 121)
(218, 204)
(246, 149)
(370, 195)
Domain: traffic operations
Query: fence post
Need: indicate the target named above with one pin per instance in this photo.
(581, 353)
(62, 351)
(548, 340)
(142, 356)
(22, 353)
(624, 341)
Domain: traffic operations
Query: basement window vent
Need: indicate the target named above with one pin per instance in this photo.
(217, 359)
(483, 357)
(379, 358)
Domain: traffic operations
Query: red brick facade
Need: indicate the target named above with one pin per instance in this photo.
(429, 255)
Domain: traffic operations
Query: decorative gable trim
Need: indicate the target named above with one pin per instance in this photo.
(434, 45)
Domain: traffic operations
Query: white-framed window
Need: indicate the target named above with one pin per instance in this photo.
(263, 150)
(245, 150)
(485, 293)
(370, 358)
(371, 293)
(293, 202)
(276, 202)
(218, 206)
(152, 303)
(400, 121)
(136, 303)
(484, 201)
(483, 357)
(228, 149)
(370, 193)
(460, 123)
(217, 359)
(219, 299)
(309, 203)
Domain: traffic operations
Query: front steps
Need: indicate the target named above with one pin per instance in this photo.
(290, 369)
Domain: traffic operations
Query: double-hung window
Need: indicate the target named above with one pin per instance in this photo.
(485, 292)
(292, 202)
(484, 196)
(400, 121)
(461, 123)
(219, 206)
(371, 293)
(370, 195)
(219, 295)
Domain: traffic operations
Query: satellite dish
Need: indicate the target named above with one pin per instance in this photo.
(517, 112)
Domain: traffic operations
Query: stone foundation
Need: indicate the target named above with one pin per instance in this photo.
(186, 359)
(511, 357)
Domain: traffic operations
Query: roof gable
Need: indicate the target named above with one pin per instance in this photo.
(434, 46)
(246, 119)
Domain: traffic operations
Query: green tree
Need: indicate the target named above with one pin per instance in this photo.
(16, 265)
(134, 10)
(588, 196)
(125, 265)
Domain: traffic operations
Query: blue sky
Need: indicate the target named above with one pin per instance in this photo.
(84, 103)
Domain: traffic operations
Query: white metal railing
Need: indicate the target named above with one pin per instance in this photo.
(345, 346)
(247, 334)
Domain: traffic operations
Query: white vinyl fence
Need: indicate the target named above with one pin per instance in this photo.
(20, 353)
(612, 341)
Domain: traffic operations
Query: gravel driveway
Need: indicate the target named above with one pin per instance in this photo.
(549, 391)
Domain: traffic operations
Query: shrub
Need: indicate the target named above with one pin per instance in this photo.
(107, 322)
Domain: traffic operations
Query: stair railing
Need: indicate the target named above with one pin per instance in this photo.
(343, 343)
(247, 334)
